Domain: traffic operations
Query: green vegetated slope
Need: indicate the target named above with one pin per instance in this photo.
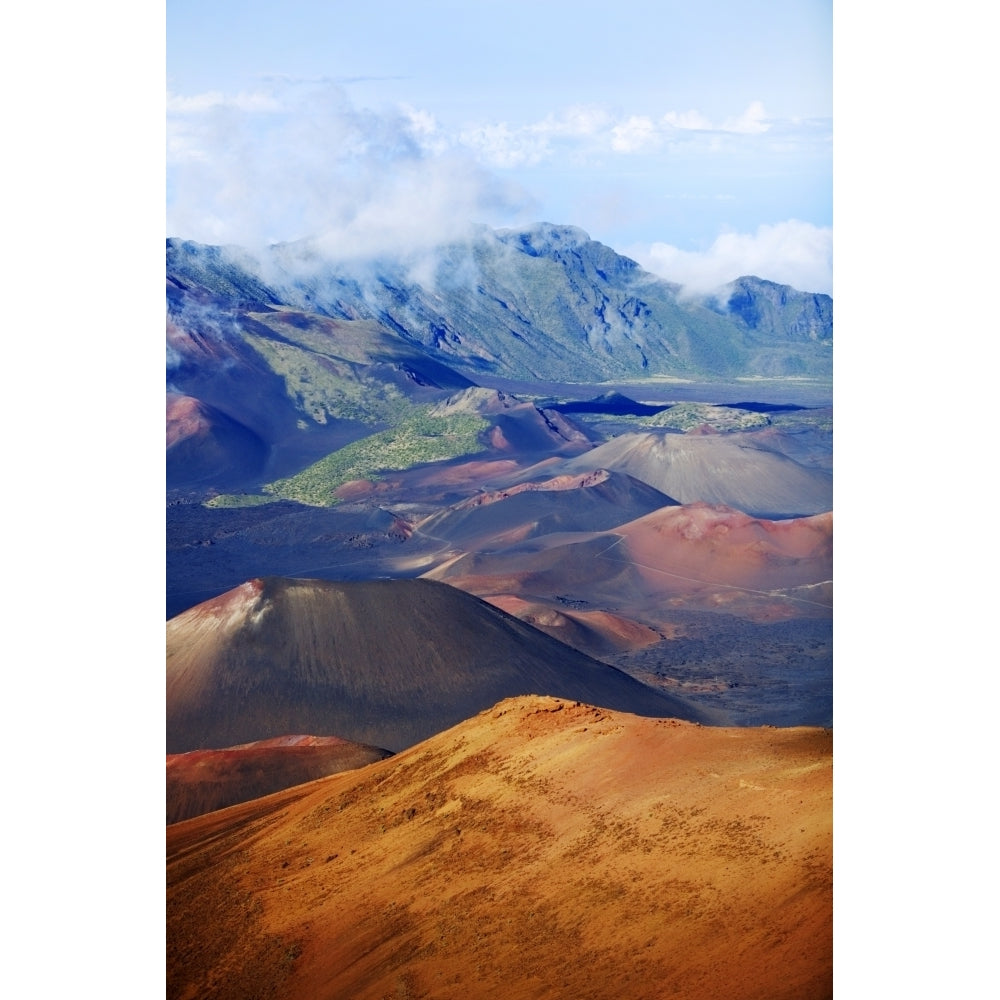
(324, 386)
(416, 439)
(678, 417)
(772, 308)
(233, 500)
(226, 271)
(687, 416)
(548, 302)
(551, 303)
(545, 302)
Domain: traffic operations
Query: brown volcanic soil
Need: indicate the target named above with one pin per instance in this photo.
(596, 633)
(543, 849)
(696, 556)
(386, 662)
(204, 780)
(725, 549)
(730, 469)
(597, 501)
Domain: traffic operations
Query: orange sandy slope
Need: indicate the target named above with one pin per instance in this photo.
(540, 849)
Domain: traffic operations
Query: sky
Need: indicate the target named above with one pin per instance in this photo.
(695, 138)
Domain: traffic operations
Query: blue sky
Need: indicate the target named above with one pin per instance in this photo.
(696, 138)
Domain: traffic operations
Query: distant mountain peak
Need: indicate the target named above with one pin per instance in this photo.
(543, 237)
(765, 305)
(542, 302)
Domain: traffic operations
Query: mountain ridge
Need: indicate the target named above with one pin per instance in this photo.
(544, 302)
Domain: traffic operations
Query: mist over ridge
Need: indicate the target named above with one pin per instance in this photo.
(543, 302)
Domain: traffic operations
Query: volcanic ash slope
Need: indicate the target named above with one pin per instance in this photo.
(387, 663)
(205, 780)
(716, 468)
(543, 848)
(698, 555)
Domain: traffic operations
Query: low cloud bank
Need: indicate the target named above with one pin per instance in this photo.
(791, 253)
(294, 163)
(297, 159)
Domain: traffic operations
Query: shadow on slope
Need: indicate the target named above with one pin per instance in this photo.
(387, 663)
(204, 446)
(597, 501)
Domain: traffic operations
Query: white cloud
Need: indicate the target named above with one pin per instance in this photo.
(366, 182)
(751, 122)
(635, 134)
(507, 146)
(502, 146)
(791, 253)
(589, 130)
(422, 122)
(421, 204)
(692, 120)
(295, 159)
